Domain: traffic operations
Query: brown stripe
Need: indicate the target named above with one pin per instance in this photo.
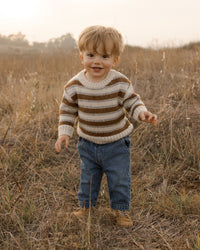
(74, 97)
(114, 81)
(135, 108)
(99, 111)
(133, 95)
(128, 109)
(100, 97)
(120, 79)
(103, 97)
(106, 133)
(106, 123)
(66, 123)
(71, 104)
(63, 112)
(74, 82)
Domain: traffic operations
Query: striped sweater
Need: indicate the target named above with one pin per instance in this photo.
(101, 108)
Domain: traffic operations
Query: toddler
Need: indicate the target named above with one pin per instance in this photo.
(100, 98)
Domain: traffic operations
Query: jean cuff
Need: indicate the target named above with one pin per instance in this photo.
(121, 207)
(86, 204)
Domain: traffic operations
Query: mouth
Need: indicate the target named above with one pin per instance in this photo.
(97, 68)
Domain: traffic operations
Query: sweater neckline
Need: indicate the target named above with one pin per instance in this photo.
(96, 85)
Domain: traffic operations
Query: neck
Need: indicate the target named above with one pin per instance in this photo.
(94, 80)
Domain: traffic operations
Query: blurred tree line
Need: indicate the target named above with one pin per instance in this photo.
(19, 42)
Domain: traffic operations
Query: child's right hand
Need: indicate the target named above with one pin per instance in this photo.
(61, 139)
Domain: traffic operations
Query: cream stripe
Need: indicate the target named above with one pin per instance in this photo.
(133, 102)
(101, 108)
(106, 129)
(105, 139)
(95, 92)
(66, 118)
(67, 108)
(102, 123)
(103, 133)
(100, 104)
(100, 117)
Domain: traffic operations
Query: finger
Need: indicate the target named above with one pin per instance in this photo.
(57, 147)
(66, 144)
(154, 121)
(149, 117)
(142, 117)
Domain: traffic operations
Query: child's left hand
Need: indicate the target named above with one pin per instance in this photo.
(148, 117)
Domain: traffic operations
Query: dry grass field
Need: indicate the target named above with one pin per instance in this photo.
(38, 188)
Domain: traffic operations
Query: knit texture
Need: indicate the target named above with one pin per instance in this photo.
(101, 108)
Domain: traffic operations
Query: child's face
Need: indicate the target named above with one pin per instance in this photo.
(98, 64)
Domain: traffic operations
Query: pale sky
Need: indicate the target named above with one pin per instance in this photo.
(141, 22)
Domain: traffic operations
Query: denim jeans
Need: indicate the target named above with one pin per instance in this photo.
(113, 159)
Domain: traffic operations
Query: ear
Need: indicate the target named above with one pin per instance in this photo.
(81, 57)
(116, 60)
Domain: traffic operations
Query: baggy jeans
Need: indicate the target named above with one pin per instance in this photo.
(113, 159)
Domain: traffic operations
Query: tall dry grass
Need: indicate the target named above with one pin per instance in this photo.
(38, 188)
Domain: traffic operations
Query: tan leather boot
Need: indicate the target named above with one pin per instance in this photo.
(123, 218)
(81, 213)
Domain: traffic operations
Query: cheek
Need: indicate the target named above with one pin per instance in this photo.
(85, 62)
(109, 64)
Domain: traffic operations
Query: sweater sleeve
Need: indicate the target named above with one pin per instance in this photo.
(133, 103)
(67, 114)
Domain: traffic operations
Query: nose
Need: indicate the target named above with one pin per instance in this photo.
(97, 59)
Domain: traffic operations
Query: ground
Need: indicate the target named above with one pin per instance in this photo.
(39, 187)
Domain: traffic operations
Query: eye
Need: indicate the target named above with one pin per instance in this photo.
(90, 55)
(105, 56)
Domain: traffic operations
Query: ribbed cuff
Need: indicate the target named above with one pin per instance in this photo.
(65, 130)
(137, 111)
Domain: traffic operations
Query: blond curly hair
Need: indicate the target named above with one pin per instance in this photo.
(99, 35)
